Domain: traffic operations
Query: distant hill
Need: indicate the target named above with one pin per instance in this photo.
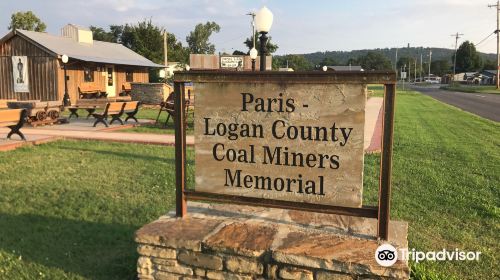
(341, 57)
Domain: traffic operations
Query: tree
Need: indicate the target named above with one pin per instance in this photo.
(404, 61)
(146, 39)
(296, 62)
(100, 34)
(26, 21)
(467, 57)
(441, 67)
(374, 61)
(328, 61)
(489, 64)
(352, 61)
(198, 39)
(238, 52)
(270, 47)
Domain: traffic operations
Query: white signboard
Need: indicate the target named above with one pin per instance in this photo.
(20, 73)
(403, 75)
(231, 61)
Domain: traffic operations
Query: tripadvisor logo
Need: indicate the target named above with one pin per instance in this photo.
(386, 255)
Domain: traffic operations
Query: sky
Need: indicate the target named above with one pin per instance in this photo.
(298, 27)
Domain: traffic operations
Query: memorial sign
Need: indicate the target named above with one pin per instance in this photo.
(295, 142)
(290, 140)
(231, 61)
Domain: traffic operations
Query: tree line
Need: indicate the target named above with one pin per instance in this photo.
(146, 38)
(468, 59)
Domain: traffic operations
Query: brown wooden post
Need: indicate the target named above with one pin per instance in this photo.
(386, 162)
(180, 149)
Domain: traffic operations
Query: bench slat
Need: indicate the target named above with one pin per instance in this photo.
(8, 116)
(130, 106)
(115, 107)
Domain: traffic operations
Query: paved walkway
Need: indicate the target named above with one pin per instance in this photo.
(82, 129)
(373, 124)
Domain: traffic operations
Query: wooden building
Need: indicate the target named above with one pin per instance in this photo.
(92, 64)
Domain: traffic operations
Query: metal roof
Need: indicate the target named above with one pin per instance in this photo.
(99, 51)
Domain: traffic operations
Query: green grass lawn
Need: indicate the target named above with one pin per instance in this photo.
(69, 209)
(378, 90)
(472, 89)
(146, 113)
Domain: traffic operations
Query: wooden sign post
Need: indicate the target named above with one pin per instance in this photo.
(291, 140)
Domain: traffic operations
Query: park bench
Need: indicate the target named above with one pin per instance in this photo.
(90, 91)
(126, 89)
(131, 109)
(91, 105)
(13, 119)
(169, 107)
(114, 110)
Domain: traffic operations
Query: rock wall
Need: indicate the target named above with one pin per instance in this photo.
(235, 242)
(150, 93)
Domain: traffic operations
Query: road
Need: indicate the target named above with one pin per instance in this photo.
(484, 105)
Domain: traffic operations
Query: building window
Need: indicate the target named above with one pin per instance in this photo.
(129, 75)
(88, 75)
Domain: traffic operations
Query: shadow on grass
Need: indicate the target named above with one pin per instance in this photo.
(126, 155)
(92, 250)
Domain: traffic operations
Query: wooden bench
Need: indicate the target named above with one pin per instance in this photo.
(113, 109)
(169, 107)
(91, 105)
(13, 119)
(90, 91)
(126, 89)
(131, 109)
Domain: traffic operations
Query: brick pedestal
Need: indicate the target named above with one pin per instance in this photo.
(238, 242)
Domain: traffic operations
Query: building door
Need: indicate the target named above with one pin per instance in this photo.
(110, 81)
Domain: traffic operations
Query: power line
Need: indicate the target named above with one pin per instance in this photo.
(485, 38)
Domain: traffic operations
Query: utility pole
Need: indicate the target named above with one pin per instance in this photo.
(165, 51)
(415, 80)
(430, 60)
(396, 64)
(403, 78)
(498, 41)
(457, 36)
(421, 65)
(252, 14)
(409, 70)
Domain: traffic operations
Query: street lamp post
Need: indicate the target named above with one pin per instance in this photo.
(263, 22)
(253, 56)
(66, 100)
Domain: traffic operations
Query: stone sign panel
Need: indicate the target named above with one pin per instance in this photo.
(294, 142)
(287, 141)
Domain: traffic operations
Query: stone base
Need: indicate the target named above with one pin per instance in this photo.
(150, 93)
(219, 241)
